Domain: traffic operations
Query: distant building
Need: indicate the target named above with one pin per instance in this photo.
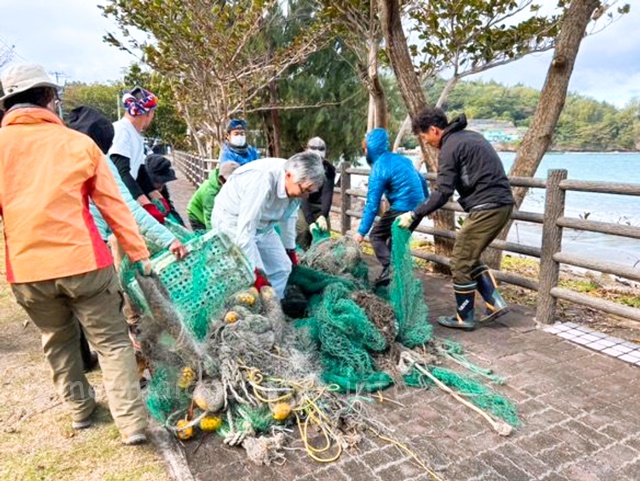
(497, 131)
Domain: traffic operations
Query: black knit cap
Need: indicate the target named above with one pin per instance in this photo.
(93, 123)
(159, 169)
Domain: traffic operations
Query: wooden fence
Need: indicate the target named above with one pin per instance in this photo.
(553, 221)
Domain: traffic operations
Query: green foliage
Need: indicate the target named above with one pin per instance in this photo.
(585, 123)
(104, 97)
(329, 82)
(218, 57)
(474, 35)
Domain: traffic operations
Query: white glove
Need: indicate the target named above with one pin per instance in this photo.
(405, 220)
(321, 222)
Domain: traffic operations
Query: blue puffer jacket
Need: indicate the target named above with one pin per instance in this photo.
(241, 156)
(392, 175)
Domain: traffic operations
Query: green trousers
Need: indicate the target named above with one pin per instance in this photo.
(478, 230)
(95, 299)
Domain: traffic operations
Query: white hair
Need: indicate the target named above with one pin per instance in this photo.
(306, 167)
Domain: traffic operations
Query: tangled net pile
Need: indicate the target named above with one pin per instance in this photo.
(226, 358)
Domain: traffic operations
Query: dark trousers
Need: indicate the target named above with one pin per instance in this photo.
(196, 224)
(478, 230)
(380, 236)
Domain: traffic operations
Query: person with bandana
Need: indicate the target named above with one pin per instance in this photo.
(127, 151)
(235, 147)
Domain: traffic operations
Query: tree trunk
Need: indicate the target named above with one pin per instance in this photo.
(415, 100)
(538, 137)
(276, 150)
(406, 125)
(377, 100)
(271, 121)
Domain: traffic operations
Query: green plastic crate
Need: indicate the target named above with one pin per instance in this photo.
(200, 283)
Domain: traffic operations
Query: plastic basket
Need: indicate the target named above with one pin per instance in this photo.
(199, 284)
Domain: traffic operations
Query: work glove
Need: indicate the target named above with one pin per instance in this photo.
(293, 255)
(320, 223)
(155, 212)
(405, 220)
(144, 267)
(261, 279)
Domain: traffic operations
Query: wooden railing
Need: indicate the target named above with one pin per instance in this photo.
(550, 254)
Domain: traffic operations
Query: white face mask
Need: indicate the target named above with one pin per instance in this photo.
(238, 140)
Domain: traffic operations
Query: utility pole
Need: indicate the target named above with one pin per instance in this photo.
(59, 75)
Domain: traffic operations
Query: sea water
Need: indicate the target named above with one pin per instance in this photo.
(612, 208)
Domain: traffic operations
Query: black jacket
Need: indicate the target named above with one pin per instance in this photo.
(322, 199)
(469, 165)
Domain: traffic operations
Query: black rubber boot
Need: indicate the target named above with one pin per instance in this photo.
(384, 278)
(465, 296)
(488, 289)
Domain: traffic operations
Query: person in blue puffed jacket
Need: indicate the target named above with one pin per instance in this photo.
(394, 176)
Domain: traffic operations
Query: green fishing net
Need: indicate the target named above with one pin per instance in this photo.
(199, 284)
(346, 337)
(348, 341)
(406, 293)
(472, 389)
(163, 395)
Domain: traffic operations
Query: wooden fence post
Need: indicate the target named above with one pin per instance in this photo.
(551, 244)
(345, 199)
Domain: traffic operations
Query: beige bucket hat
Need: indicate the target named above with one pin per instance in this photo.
(20, 78)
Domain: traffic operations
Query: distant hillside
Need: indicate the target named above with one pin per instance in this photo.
(503, 115)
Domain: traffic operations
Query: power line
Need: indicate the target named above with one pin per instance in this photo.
(58, 76)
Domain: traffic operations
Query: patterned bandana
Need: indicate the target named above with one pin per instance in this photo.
(139, 101)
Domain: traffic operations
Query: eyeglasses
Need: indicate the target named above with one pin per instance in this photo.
(306, 188)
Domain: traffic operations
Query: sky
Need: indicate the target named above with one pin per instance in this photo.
(66, 37)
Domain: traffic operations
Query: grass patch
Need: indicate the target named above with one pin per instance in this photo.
(579, 285)
(36, 439)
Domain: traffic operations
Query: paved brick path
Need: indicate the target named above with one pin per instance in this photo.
(580, 412)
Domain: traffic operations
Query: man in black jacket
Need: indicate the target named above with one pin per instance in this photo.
(469, 165)
(316, 209)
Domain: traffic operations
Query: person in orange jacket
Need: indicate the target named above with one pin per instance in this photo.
(58, 266)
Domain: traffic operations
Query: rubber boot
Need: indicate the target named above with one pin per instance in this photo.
(384, 279)
(488, 289)
(465, 296)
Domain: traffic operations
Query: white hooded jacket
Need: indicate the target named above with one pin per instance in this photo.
(251, 203)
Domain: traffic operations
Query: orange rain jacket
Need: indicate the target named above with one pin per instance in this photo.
(47, 175)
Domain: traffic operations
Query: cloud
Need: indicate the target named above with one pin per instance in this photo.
(64, 36)
(607, 67)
